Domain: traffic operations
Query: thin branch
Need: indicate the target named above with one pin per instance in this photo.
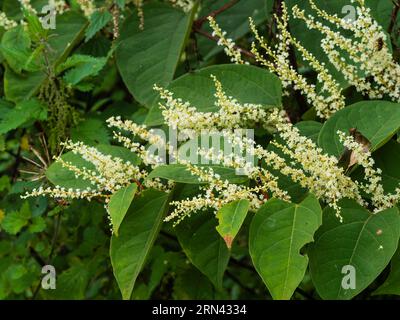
(394, 15)
(199, 22)
(213, 38)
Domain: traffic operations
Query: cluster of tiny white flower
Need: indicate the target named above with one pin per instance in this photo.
(5, 22)
(301, 160)
(230, 115)
(185, 5)
(329, 99)
(26, 4)
(308, 166)
(373, 179)
(87, 6)
(106, 173)
(369, 54)
(229, 45)
(142, 133)
(59, 5)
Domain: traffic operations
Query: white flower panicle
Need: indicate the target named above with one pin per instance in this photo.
(329, 99)
(230, 113)
(229, 45)
(298, 158)
(26, 4)
(322, 175)
(5, 22)
(309, 167)
(185, 5)
(142, 133)
(368, 51)
(139, 7)
(373, 179)
(59, 5)
(87, 6)
(215, 195)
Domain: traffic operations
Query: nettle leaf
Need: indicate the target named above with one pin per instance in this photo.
(180, 173)
(38, 225)
(203, 245)
(119, 205)
(12, 118)
(248, 84)
(392, 283)
(81, 67)
(60, 176)
(150, 56)
(69, 32)
(363, 243)
(98, 20)
(378, 121)
(137, 234)
(278, 231)
(15, 47)
(14, 221)
(230, 218)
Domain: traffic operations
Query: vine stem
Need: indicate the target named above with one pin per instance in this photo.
(199, 22)
(213, 38)
(394, 15)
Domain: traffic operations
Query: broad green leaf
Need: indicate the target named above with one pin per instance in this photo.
(119, 205)
(230, 218)
(98, 20)
(91, 132)
(137, 234)
(278, 231)
(392, 283)
(58, 175)
(70, 29)
(378, 121)
(310, 129)
(81, 67)
(150, 56)
(248, 84)
(364, 241)
(180, 173)
(203, 245)
(12, 118)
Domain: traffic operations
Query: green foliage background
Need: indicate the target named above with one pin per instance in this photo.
(65, 83)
